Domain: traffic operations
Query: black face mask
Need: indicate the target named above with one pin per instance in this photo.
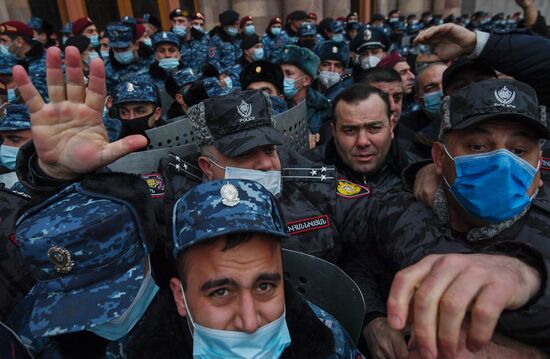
(309, 43)
(136, 126)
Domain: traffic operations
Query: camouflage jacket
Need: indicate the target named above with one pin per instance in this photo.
(310, 338)
(224, 50)
(194, 53)
(274, 45)
(116, 72)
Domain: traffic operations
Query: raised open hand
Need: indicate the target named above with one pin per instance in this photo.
(68, 132)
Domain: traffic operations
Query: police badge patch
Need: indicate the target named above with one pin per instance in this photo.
(155, 182)
(349, 189)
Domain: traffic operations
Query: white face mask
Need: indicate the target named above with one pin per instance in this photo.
(329, 78)
(271, 180)
(369, 62)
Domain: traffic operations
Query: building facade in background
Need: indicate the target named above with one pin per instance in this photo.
(102, 12)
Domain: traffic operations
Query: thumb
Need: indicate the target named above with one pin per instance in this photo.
(114, 151)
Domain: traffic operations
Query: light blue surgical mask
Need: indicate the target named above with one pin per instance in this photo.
(268, 341)
(258, 54)
(104, 55)
(228, 82)
(249, 30)
(91, 55)
(148, 42)
(276, 31)
(120, 326)
(4, 51)
(94, 40)
(232, 31)
(8, 156)
(169, 64)
(271, 180)
(199, 28)
(64, 39)
(432, 101)
(12, 97)
(289, 87)
(492, 186)
(125, 57)
(180, 30)
(338, 37)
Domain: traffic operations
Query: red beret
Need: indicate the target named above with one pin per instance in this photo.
(389, 61)
(341, 18)
(312, 16)
(16, 28)
(244, 20)
(80, 24)
(140, 30)
(198, 15)
(274, 20)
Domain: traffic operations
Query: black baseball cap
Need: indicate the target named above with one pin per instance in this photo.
(455, 71)
(235, 123)
(491, 100)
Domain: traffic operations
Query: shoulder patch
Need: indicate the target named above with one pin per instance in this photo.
(212, 52)
(545, 165)
(349, 189)
(155, 182)
(308, 224)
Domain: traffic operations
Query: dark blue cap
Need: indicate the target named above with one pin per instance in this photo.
(129, 20)
(87, 253)
(166, 37)
(35, 23)
(308, 29)
(333, 50)
(369, 38)
(138, 90)
(217, 208)
(120, 35)
(67, 28)
(336, 27)
(16, 118)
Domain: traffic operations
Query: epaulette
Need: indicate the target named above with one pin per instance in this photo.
(309, 174)
(183, 167)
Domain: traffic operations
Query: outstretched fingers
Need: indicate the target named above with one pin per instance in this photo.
(114, 151)
(76, 88)
(95, 96)
(30, 95)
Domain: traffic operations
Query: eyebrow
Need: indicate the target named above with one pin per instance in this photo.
(215, 283)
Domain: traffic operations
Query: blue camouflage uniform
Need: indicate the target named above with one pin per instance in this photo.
(194, 53)
(6, 68)
(224, 50)
(35, 63)
(156, 73)
(120, 36)
(274, 44)
(13, 118)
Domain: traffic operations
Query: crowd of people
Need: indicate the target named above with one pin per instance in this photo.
(423, 178)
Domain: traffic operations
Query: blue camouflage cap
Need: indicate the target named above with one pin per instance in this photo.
(307, 29)
(87, 252)
(213, 87)
(138, 90)
(166, 37)
(217, 208)
(6, 65)
(35, 23)
(336, 27)
(67, 28)
(120, 35)
(16, 118)
(177, 79)
(334, 50)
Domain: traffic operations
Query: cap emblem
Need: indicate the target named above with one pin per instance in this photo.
(245, 111)
(334, 50)
(505, 97)
(130, 87)
(230, 195)
(164, 35)
(61, 259)
(367, 35)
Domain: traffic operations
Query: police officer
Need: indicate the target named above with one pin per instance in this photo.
(246, 26)
(225, 49)
(167, 56)
(369, 47)
(124, 61)
(87, 52)
(6, 76)
(274, 40)
(179, 19)
(15, 131)
(16, 40)
(333, 78)
(300, 67)
(137, 104)
(42, 30)
(177, 84)
(268, 77)
(196, 44)
(294, 21)
(85, 26)
(308, 36)
(252, 51)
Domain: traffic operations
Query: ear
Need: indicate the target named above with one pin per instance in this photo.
(175, 285)
(156, 116)
(179, 98)
(206, 167)
(307, 80)
(393, 122)
(437, 155)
